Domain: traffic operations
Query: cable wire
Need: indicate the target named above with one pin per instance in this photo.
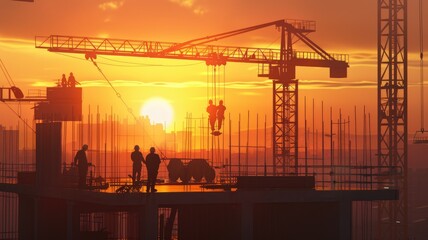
(6, 74)
(131, 64)
(151, 65)
(12, 84)
(19, 116)
(114, 89)
(124, 103)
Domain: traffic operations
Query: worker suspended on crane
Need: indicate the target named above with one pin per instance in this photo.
(220, 114)
(212, 111)
(216, 113)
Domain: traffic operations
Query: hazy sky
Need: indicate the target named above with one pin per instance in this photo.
(342, 27)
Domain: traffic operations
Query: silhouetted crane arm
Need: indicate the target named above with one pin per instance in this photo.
(216, 37)
(156, 49)
(197, 49)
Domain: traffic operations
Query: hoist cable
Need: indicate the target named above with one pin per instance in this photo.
(12, 84)
(6, 74)
(123, 101)
(19, 116)
(115, 90)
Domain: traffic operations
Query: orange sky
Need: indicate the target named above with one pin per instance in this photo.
(342, 27)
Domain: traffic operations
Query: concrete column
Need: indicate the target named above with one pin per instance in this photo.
(70, 220)
(26, 217)
(150, 219)
(247, 220)
(345, 220)
(36, 218)
(141, 217)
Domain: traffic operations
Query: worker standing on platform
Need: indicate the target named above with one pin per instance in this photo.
(63, 81)
(212, 111)
(152, 164)
(220, 113)
(72, 81)
(137, 160)
(82, 164)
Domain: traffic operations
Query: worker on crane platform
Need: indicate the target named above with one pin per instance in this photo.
(63, 81)
(220, 113)
(72, 81)
(212, 111)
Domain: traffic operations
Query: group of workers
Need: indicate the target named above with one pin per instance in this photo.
(152, 162)
(216, 113)
(71, 82)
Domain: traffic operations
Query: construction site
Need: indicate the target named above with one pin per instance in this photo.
(305, 171)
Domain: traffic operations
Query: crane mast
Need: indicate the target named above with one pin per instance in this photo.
(392, 142)
(279, 65)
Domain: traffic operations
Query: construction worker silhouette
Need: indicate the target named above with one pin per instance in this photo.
(152, 164)
(63, 81)
(72, 81)
(137, 159)
(212, 111)
(220, 113)
(82, 164)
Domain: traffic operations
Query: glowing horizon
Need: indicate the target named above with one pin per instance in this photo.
(184, 83)
(159, 111)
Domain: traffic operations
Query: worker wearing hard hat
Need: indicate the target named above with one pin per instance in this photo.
(72, 81)
(82, 164)
(152, 164)
(212, 112)
(137, 159)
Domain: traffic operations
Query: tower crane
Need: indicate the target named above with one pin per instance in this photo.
(279, 65)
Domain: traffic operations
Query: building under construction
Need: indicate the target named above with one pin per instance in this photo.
(253, 182)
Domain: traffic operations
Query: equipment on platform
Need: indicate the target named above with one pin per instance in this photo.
(11, 93)
(420, 137)
(195, 168)
(130, 188)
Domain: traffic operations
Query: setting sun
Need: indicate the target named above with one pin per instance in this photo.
(158, 110)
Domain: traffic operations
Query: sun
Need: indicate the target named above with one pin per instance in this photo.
(158, 110)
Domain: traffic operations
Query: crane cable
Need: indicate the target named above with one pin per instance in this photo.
(114, 89)
(20, 117)
(12, 84)
(122, 100)
(6, 74)
(216, 94)
(130, 64)
(421, 46)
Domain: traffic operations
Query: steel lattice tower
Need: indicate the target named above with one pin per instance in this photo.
(392, 115)
(285, 110)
